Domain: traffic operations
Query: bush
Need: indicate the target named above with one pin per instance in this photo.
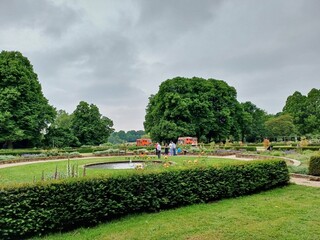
(7, 157)
(74, 154)
(314, 165)
(63, 205)
(298, 169)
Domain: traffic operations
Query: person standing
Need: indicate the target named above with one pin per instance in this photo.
(174, 147)
(171, 148)
(166, 149)
(158, 150)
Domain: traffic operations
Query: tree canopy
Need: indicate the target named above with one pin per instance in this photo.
(253, 122)
(305, 111)
(60, 133)
(122, 136)
(24, 111)
(207, 109)
(89, 126)
(281, 126)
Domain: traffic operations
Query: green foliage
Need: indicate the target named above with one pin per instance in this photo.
(253, 122)
(89, 126)
(281, 126)
(193, 107)
(305, 111)
(60, 133)
(24, 111)
(314, 165)
(40, 208)
(7, 157)
(298, 169)
(123, 137)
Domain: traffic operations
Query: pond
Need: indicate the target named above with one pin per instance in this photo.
(117, 165)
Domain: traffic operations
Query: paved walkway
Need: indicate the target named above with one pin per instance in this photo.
(304, 181)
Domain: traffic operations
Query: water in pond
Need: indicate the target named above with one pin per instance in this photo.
(115, 165)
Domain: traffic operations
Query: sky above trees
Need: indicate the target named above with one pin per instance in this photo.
(115, 54)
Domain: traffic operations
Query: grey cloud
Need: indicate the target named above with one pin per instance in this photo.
(116, 53)
(116, 94)
(46, 16)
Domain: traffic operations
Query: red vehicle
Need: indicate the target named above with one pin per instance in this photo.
(143, 142)
(188, 141)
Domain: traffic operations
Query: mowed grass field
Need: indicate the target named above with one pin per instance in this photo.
(290, 212)
(36, 171)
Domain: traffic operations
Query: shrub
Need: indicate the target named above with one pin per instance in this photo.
(72, 154)
(314, 165)
(63, 205)
(298, 169)
(41, 155)
(7, 157)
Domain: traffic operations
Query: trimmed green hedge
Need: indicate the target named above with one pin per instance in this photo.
(36, 209)
(283, 148)
(314, 165)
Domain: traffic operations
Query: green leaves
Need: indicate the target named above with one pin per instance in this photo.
(305, 111)
(24, 111)
(89, 126)
(192, 107)
(42, 208)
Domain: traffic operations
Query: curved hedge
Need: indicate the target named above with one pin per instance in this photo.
(36, 209)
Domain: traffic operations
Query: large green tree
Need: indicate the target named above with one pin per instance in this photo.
(24, 111)
(207, 109)
(60, 133)
(89, 126)
(281, 126)
(305, 111)
(253, 122)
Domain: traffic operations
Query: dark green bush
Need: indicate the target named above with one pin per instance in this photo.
(41, 208)
(314, 165)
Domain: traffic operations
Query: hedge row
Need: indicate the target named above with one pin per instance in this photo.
(314, 165)
(283, 148)
(37, 209)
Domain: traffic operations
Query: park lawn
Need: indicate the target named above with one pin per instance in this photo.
(291, 212)
(33, 172)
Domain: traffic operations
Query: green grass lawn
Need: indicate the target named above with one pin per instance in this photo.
(30, 172)
(285, 213)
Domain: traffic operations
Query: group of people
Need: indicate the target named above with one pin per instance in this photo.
(170, 149)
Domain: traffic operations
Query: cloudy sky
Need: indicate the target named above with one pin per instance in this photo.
(115, 53)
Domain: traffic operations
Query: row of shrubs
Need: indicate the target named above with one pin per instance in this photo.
(133, 148)
(31, 157)
(41, 208)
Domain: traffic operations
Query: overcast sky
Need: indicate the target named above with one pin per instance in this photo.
(115, 53)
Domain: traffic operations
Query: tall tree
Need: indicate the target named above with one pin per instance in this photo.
(305, 111)
(296, 107)
(193, 107)
(253, 122)
(281, 126)
(89, 126)
(60, 133)
(24, 111)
